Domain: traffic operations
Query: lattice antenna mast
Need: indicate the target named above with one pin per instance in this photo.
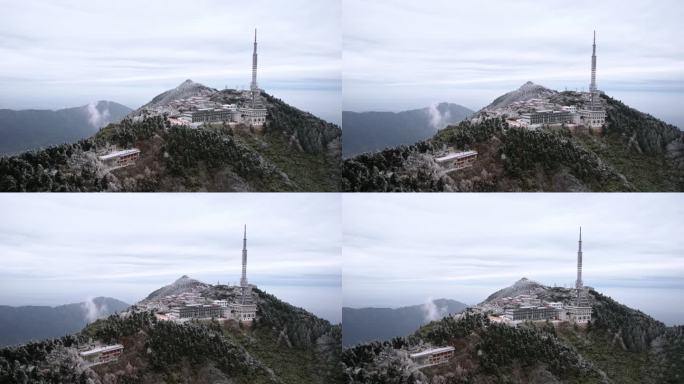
(243, 279)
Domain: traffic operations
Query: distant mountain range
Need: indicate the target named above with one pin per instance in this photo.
(633, 152)
(32, 129)
(373, 131)
(19, 325)
(368, 324)
(619, 345)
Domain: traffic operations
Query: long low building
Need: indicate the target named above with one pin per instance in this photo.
(532, 313)
(432, 356)
(102, 355)
(454, 161)
(200, 311)
(119, 159)
(547, 117)
(246, 115)
(211, 115)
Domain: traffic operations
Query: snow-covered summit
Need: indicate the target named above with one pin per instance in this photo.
(527, 91)
(184, 90)
(523, 286)
(182, 285)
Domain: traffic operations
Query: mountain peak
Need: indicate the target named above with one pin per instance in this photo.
(522, 286)
(186, 89)
(528, 85)
(527, 91)
(184, 280)
(187, 84)
(524, 282)
(183, 284)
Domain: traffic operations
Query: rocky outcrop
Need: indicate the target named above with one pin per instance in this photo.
(520, 287)
(527, 91)
(186, 89)
(183, 284)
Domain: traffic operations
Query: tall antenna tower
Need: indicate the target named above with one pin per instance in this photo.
(243, 279)
(578, 283)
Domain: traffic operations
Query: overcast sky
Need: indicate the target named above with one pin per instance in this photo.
(403, 54)
(401, 249)
(58, 249)
(59, 54)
